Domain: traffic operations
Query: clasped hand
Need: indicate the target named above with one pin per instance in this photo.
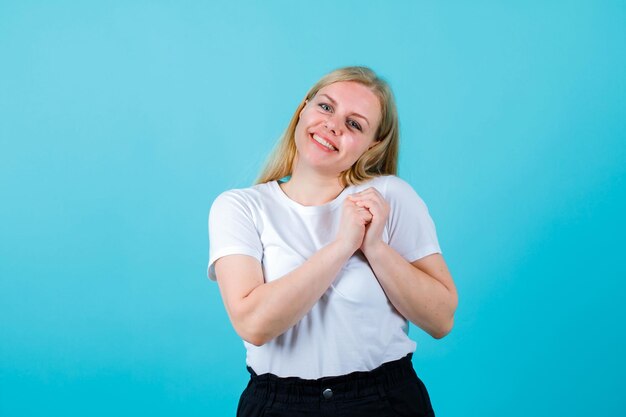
(363, 220)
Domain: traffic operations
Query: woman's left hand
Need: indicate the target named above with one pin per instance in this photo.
(372, 200)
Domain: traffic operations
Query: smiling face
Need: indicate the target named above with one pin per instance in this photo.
(337, 126)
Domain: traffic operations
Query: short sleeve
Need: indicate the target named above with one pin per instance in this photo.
(411, 230)
(232, 230)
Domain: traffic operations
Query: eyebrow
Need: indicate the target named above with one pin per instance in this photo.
(355, 114)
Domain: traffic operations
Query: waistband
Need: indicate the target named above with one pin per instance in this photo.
(354, 385)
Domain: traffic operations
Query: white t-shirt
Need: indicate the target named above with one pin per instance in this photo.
(353, 327)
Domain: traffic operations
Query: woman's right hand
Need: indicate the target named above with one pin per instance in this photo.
(354, 220)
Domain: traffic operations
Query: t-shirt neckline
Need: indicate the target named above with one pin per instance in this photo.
(334, 203)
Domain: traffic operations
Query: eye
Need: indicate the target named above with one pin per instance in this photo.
(354, 125)
(325, 107)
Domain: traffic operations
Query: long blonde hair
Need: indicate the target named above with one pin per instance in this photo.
(381, 159)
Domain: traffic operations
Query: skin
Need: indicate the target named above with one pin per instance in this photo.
(331, 114)
(422, 291)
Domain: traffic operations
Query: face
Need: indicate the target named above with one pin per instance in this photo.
(337, 126)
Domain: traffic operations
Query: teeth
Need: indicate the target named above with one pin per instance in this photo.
(323, 142)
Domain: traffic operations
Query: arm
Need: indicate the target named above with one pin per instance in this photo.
(422, 291)
(261, 311)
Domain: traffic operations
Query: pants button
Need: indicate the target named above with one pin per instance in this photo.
(327, 393)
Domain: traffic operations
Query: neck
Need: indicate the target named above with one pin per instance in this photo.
(312, 188)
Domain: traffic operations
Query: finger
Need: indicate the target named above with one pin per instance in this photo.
(379, 210)
(351, 206)
(366, 216)
(364, 212)
(368, 202)
(369, 195)
(359, 210)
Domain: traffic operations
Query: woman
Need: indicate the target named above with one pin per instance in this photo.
(321, 264)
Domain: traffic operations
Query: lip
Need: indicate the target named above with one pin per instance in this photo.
(325, 138)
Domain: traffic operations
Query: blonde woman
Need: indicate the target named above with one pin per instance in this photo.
(322, 264)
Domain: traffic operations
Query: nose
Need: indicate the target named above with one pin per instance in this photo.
(332, 124)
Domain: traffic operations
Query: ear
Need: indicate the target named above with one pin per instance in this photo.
(303, 107)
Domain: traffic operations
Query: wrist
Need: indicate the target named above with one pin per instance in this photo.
(375, 249)
(343, 248)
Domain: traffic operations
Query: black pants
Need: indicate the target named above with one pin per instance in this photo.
(393, 389)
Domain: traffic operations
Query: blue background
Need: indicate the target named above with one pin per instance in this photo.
(121, 121)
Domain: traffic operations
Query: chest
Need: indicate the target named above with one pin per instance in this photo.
(291, 239)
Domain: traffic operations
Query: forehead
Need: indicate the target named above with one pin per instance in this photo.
(354, 97)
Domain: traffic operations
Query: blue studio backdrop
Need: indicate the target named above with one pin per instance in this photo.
(121, 121)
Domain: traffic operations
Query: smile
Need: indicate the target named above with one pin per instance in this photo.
(323, 142)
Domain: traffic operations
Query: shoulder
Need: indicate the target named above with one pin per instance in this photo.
(399, 193)
(249, 194)
(240, 198)
(391, 186)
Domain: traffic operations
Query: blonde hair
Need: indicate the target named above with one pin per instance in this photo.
(381, 159)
